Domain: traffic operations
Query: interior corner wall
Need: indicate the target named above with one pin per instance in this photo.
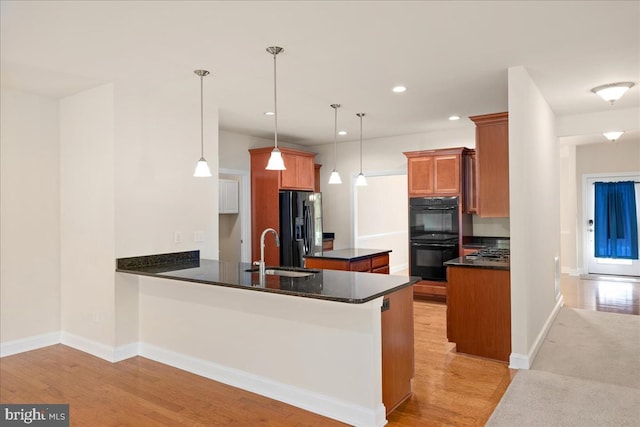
(87, 217)
(29, 216)
(535, 213)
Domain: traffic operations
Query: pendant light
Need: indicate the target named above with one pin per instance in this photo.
(202, 169)
(275, 160)
(335, 176)
(361, 180)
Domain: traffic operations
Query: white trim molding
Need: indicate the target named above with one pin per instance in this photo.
(305, 399)
(524, 361)
(30, 343)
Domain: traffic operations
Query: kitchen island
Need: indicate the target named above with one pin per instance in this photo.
(333, 342)
(351, 259)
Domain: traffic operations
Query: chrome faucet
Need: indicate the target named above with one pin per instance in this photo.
(264, 233)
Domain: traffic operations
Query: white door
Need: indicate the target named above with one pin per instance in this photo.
(623, 267)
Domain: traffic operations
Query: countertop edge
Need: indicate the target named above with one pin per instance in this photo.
(347, 258)
(410, 282)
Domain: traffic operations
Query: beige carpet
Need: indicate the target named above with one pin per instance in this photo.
(587, 373)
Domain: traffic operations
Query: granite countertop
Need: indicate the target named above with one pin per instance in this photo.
(333, 285)
(350, 254)
(478, 263)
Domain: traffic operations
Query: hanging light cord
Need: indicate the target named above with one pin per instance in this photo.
(361, 115)
(275, 100)
(201, 117)
(335, 137)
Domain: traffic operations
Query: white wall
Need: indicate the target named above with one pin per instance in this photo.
(87, 215)
(535, 215)
(29, 216)
(568, 209)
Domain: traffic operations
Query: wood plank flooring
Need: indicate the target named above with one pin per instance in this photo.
(449, 388)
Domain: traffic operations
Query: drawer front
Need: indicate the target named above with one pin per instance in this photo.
(380, 261)
(381, 270)
(362, 265)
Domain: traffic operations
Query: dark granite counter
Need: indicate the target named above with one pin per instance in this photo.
(350, 254)
(478, 263)
(333, 285)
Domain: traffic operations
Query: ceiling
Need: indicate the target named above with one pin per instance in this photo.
(452, 56)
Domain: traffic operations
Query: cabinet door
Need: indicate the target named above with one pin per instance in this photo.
(492, 168)
(420, 175)
(446, 174)
(227, 196)
(470, 202)
(299, 174)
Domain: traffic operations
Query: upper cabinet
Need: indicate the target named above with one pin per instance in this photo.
(492, 165)
(227, 196)
(435, 172)
(300, 172)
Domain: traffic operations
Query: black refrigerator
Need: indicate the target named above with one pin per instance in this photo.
(300, 226)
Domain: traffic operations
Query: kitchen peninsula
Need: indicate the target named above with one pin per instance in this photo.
(336, 343)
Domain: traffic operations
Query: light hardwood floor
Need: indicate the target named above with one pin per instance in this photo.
(449, 388)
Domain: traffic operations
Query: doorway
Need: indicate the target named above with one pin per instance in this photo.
(234, 236)
(597, 265)
(381, 216)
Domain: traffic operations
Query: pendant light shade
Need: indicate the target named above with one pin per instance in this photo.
(275, 160)
(202, 168)
(361, 180)
(334, 178)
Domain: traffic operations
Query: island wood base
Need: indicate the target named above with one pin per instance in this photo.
(429, 290)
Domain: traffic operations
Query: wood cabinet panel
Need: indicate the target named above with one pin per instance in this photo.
(327, 264)
(398, 358)
(327, 245)
(479, 311)
(316, 177)
(363, 265)
(446, 174)
(492, 164)
(380, 261)
(420, 175)
(470, 194)
(300, 172)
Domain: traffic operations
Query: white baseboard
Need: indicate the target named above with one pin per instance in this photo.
(27, 344)
(301, 398)
(126, 351)
(398, 267)
(524, 361)
(571, 271)
(103, 351)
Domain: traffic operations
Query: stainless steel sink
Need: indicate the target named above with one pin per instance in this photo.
(285, 273)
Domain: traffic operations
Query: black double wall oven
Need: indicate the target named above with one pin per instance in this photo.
(433, 235)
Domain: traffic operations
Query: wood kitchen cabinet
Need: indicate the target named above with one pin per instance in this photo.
(492, 164)
(435, 172)
(479, 311)
(316, 183)
(265, 199)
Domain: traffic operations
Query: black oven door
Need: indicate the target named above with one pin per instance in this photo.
(427, 259)
(428, 221)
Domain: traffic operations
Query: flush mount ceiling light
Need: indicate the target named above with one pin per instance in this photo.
(269, 113)
(613, 135)
(202, 169)
(334, 178)
(361, 180)
(399, 89)
(275, 160)
(342, 132)
(612, 92)
(454, 117)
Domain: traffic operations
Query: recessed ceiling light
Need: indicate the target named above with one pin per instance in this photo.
(454, 118)
(399, 89)
(269, 113)
(342, 132)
